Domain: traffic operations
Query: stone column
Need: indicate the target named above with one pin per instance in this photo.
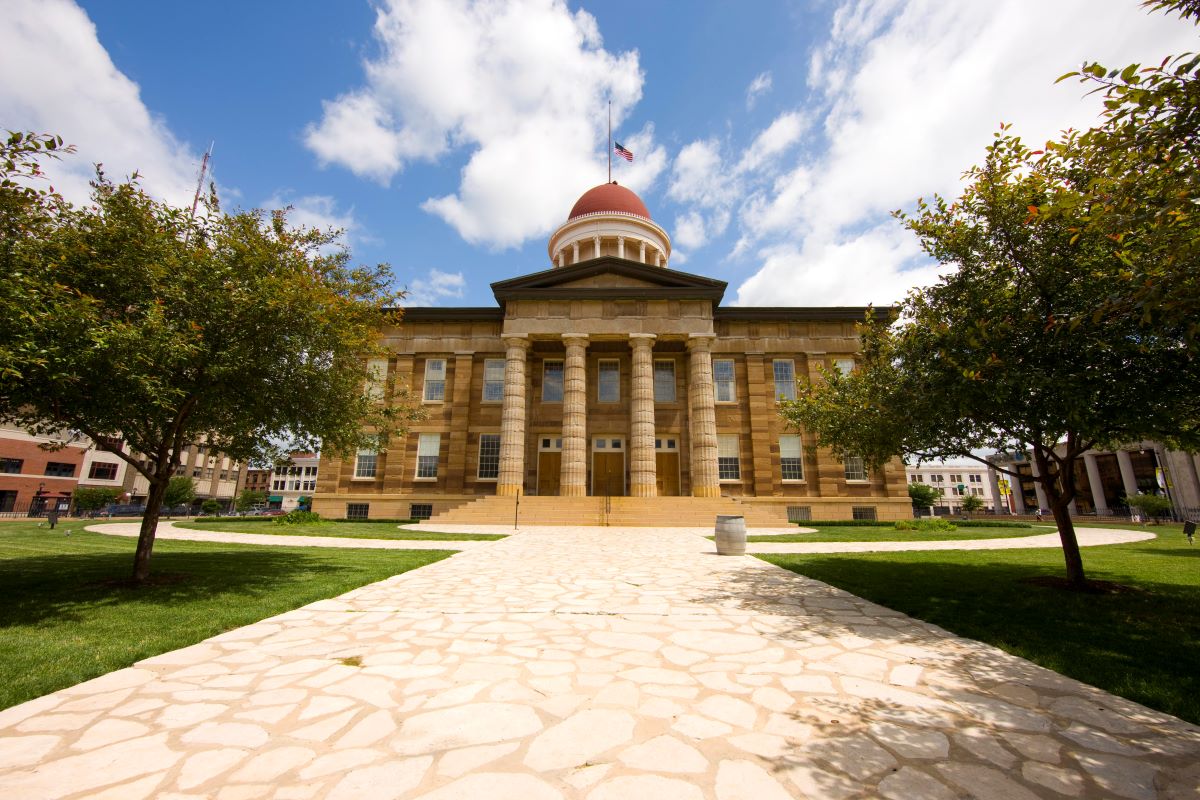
(573, 476)
(1018, 493)
(620, 247)
(596, 243)
(702, 417)
(1037, 487)
(994, 488)
(643, 478)
(512, 418)
(1128, 478)
(1093, 473)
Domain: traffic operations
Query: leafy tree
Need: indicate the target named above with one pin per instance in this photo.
(1006, 353)
(211, 506)
(94, 498)
(1151, 505)
(972, 503)
(248, 499)
(132, 319)
(181, 491)
(923, 495)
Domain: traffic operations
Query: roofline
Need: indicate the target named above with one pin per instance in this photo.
(443, 313)
(846, 313)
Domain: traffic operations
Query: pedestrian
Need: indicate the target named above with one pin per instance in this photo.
(52, 517)
(1039, 515)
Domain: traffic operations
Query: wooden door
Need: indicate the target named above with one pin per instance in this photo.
(608, 474)
(549, 472)
(666, 469)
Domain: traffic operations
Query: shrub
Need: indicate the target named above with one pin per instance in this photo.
(210, 506)
(298, 518)
(929, 525)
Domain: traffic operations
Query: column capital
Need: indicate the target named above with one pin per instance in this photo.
(642, 340)
(517, 341)
(700, 342)
(572, 338)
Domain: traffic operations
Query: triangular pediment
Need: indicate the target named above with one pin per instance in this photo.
(609, 277)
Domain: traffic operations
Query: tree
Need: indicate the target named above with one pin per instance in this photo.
(248, 499)
(1151, 505)
(1006, 353)
(211, 506)
(181, 491)
(923, 495)
(129, 318)
(94, 498)
(972, 503)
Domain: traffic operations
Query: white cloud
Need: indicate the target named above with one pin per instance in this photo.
(314, 211)
(910, 94)
(689, 230)
(58, 78)
(519, 84)
(759, 86)
(784, 132)
(435, 288)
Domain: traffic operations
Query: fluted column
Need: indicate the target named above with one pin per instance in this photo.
(643, 480)
(1128, 477)
(1018, 492)
(702, 417)
(512, 418)
(573, 477)
(994, 488)
(1037, 486)
(1097, 486)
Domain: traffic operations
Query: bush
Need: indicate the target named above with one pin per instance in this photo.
(298, 518)
(1151, 505)
(927, 525)
(210, 506)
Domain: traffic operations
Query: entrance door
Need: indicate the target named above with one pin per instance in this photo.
(666, 466)
(549, 466)
(608, 466)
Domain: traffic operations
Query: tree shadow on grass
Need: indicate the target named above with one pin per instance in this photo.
(57, 587)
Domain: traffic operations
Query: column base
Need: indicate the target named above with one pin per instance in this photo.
(643, 490)
(572, 491)
(706, 491)
(509, 489)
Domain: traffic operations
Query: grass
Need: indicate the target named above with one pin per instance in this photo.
(341, 530)
(69, 613)
(1143, 643)
(886, 533)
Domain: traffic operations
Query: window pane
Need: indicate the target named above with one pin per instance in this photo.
(11, 465)
(785, 379)
(609, 385)
(364, 466)
(728, 468)
(664, 381)
(552, 381)
(791, 466)
(376, 377)
(435, 379)
(427, 454)
(493, 380)
(844, 365)
(489, 455)
(723, 380)
(854, 469)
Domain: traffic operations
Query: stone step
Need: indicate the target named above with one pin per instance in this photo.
(623, 511)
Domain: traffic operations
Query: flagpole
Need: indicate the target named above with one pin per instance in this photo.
(610, 141)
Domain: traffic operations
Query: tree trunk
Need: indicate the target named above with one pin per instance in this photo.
(145, 545)
(1070, 545)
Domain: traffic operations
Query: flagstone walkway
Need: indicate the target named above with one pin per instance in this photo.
(592, 663)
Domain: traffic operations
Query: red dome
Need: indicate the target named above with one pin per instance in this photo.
(608, 197)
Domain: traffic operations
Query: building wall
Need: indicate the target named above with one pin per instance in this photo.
(31, 483)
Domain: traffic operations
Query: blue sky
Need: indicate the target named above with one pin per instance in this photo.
(450, 137)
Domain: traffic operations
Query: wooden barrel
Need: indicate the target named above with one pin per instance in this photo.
(731, 535)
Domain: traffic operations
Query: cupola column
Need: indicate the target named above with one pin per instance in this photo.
(512, 418)
(620, 247)
(643, 480)
(573, 478)
(642, 253)
(702, 418)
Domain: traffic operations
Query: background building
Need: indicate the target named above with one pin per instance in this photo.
(34, 478)
(956, 480)
(292, 485)
(609, 389)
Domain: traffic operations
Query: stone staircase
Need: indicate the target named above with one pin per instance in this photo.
(616, 511)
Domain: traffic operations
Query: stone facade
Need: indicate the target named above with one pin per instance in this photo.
(610, 377)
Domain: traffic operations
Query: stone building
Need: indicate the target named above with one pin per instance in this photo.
(609, 388)
(956, 480)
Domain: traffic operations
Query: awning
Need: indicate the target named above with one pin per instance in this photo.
(275, 498)
(303, 499)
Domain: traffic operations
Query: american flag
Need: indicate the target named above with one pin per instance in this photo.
(620, 150)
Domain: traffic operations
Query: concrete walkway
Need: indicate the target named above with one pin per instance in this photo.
(167, 530)
(597, 664)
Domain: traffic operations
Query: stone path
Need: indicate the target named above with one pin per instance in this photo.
(1088, 537)
(167, 530)
(592, 663)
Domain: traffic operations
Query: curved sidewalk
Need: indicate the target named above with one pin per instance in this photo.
(167, 530)
(582, 664)
(1088, 537)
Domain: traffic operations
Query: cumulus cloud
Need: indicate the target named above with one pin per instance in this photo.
(434, 288)
(907, 95)
(58, 78)
(759, 86)
(521, 85)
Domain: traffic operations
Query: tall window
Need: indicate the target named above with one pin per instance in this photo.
(791, 465)
(728, 466)
(844, 365)
(489, 456)
(102, 471)
(365, 463)
(427, 454)
(608, 387)
(435, 380)
(855, 470)
(493, 380)
(723, 380)
(664, 381)
(376, 377)
(552, 381)
(785, 379)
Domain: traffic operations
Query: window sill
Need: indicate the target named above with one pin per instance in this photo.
(729, 480)
(486, 480)
(793, 480)
(425, 480)
(355, 478)
(857, 481)
(433, 402)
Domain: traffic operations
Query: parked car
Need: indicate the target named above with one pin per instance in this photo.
(122, 510)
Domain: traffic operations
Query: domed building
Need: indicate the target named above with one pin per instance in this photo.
(609, 389)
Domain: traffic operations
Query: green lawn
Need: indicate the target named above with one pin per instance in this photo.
(346, 530)
(886, 533)
(1143, 644)
(69, 614)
